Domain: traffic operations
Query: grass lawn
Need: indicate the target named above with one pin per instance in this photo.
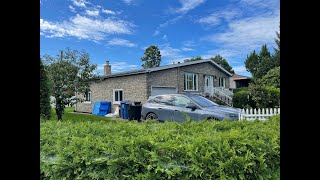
(71, 116)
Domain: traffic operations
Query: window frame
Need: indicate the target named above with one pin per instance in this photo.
(186, 81)
(114, 96)
(85, 97)
(222, 81)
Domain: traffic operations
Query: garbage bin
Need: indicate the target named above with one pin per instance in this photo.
(134, 111)
(131, 112)
(124, 109)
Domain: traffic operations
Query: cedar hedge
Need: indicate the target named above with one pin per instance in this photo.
(114, 149)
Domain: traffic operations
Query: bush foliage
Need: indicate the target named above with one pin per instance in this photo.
(272, 78)
(242, 99)
(113, 149)
(264, 96)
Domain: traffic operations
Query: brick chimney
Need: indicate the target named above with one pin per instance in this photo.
(107, 69)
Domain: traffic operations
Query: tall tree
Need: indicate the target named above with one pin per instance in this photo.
(69, 72)
(272, 78)
(222, 62)
(276, 56)
(193, 59)
(45, 108)
(259, 65)
(152, 57)
(251, 62)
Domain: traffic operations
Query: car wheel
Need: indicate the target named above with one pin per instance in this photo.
(212, 119)
(152, 116)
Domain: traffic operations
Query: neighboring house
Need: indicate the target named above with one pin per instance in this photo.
(238, 81)
(190, 77)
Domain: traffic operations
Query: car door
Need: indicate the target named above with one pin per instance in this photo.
(180, 110)
(163, 107)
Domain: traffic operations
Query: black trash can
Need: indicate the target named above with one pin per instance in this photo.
(131, 112)
(134, 111)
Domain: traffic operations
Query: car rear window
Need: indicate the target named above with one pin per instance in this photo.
(164, 99)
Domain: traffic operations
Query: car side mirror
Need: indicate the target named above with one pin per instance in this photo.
(192, 107)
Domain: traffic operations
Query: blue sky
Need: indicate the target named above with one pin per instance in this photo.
(120, 30)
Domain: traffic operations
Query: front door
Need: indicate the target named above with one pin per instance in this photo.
(208, 85)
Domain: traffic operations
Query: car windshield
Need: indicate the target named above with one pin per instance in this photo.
(202, 101)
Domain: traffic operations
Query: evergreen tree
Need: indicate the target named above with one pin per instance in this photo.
(45, 108)
(222, 62)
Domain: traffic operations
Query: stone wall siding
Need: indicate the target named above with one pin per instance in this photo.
(138, 87)
(134, 89)
(202, 69)
(166, 77)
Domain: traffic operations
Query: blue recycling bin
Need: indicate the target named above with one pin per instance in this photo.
(124, 109)
(104, 108)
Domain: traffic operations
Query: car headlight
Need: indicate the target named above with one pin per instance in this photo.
(233, 115)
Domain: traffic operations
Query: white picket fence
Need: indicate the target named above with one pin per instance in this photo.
(261, 114)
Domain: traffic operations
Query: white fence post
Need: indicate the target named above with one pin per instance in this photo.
(260, 114)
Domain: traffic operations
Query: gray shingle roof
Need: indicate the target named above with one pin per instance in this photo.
(165, 67)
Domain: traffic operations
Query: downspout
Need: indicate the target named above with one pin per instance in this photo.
(148, 85)
(178, 78)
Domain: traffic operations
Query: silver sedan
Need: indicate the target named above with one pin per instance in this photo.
(176, 107)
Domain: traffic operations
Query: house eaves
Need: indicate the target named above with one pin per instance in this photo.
(187, 64)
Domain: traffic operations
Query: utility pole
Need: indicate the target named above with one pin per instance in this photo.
(61, 55)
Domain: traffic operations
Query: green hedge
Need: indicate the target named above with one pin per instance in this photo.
(242, 99)
(193, 150)
(240, 89)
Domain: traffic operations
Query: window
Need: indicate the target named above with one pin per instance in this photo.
(181, 101)
(164, 99)
(202, 101)
(222, 82)
(190, 82)
(87, 97)
(117, 96)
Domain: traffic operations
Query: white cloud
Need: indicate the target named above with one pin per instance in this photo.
(167, 23)
(80, 3)
(164, 37)
(171, 55)
(128, 2)
(217, 17)
(85, 28)
(118, 66)
(107, 11)
(92, 13)
(156, 32)
(186, 49)
(72, 9)
(270, 4)
(248, 33)
(228, 54)
(187, 5)
(121, 42)
(240, 69)
(169, 52)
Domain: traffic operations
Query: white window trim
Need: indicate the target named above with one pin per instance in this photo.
(88, 102)
(224, 82)
(113, 96)
(197, 80)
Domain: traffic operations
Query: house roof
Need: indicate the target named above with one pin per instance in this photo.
(147, 70)
(239, 77)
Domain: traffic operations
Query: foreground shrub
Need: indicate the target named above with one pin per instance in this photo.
(191, 150)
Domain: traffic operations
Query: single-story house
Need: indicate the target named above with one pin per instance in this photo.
(189, 77)
(238, 81)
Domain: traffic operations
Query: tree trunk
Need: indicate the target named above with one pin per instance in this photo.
(59, 108)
